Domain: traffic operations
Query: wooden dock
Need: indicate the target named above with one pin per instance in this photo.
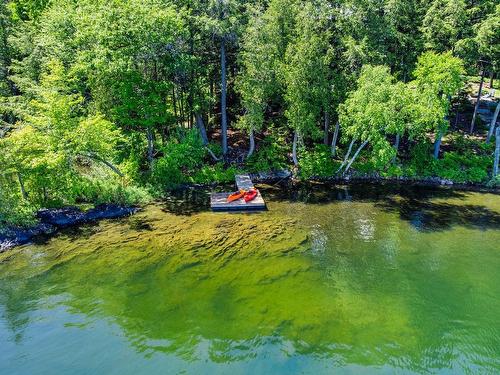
(218, 201)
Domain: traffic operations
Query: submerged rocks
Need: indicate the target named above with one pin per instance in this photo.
(50, 220)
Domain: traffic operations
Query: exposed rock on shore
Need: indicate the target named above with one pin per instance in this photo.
(51, 220)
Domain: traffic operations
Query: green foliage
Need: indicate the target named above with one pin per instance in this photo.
(441, 73)
(444, 24)
(462, 168)
(375, 110)
(99, 98)
(259, 81)
(180, 160)
(271, 154)
(488, 38)
(317, 163)
(437, 78)
(306, 70)
(27, 9)
(458, 166)
(111, 190)
(13, 209)
(216, 173)
(184, 162)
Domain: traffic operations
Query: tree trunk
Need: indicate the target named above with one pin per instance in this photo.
(201, 128)
(223, 96)
(355, 156)
(334, 139)
(396, 147)
(492, 78)
(21, 185)
(437, 144)
(326, 128)
(493, 123)
(497, 152)
(174, 102)
(95, 157)
(294, 148)
(252, 143)
(346, 155)
(477, 102)
(210, 120)
(149, 135)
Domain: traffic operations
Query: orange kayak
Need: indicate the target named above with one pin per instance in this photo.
(235, 196)
(250, 195)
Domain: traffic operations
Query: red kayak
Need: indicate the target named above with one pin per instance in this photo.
(250, 195)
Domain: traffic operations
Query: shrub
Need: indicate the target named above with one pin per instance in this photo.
(214, 173)
(462, 168)
(180, 160)
(15, 211)
(317, 162)
(111, 190)
(271, 154)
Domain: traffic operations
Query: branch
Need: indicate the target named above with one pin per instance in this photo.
(213, 155)
(93, 156)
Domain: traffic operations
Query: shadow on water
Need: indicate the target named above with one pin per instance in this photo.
(430, 216)
(414, 204)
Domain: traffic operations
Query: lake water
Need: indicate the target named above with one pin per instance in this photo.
(356, 279)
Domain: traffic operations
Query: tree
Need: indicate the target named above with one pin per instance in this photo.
(444, 24)
(223, 21)
(28, 9)
(264, 44)
(4, 50)
(128, 50)
(45, 150)
(437, 78)
(307, 74)
(488, 38)
(372, 112)
(405, 40)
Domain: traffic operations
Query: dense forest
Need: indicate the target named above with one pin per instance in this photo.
(121, 100)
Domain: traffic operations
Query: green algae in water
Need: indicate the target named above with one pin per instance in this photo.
(364, 280)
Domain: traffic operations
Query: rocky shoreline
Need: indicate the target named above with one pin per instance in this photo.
(52, 220)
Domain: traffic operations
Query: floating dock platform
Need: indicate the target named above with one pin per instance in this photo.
(218, 201)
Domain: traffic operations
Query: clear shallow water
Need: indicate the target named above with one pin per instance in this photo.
(345, 280)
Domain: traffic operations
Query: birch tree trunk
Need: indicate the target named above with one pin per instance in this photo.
(437, 144)
(252, 143)
(326, 128)
(355, 156)
(477, 102)
(492, 123)
(21, 185)
(294, 148)
(497, 152)
(223, 95)
(334, 139)
(346, 156)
